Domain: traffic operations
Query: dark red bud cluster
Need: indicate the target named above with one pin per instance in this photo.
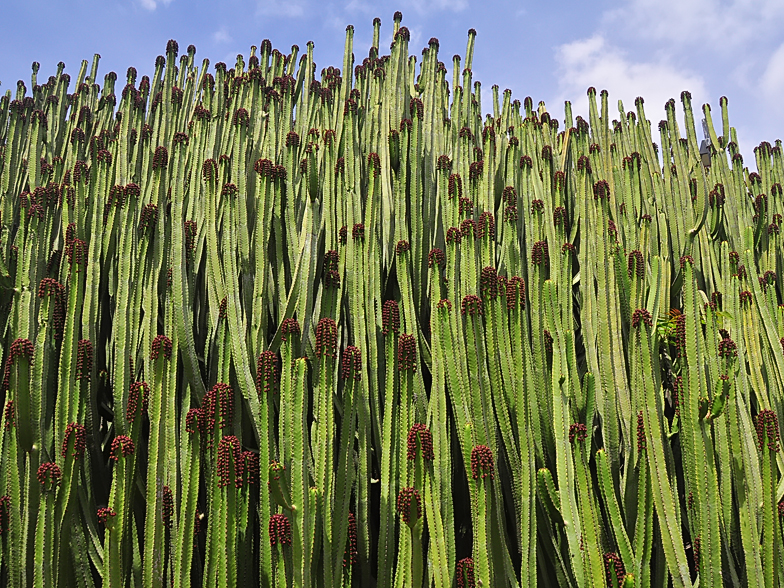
(465, 133)
(374, 163)
(568, 248)
(390, 317)
(444, 304)
(486, 226)
(194, 421)
(421, 433)
(340, 166)
(84, 360)
(453, 235)
(279, 530)
(641, 316)
(559, 216)
(471, 305)
(409, 505)
(641, 443)
(79, 435)
(326, 338)
(352, 363)
(745, 297)
(767, 427)
(289, 326)
(122, 446)
(489, 283)
(465, 573)
(160, 159)
(105, 515)
(475, 170)
(402, 247)
(436, 258)
(509, 196)
(537, 206)
(465, 207)
(229, 452)
(161, 344)
(601, 190)
(482, 465)
(443, 163)
(219, 399)
(138, 399)
(167, 509)
(9, 415)
(49, 475)
(577, 432)
(526, 162)
(343, 235)
(351, 553)
(417, 108)
(358, 232)
(636, 264)
(613, 563)
(539, 253)
(148, 218)
(407, 353)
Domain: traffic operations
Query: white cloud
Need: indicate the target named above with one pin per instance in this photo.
(595, 62)
(772, 81)
(222, 36)
(290, 9)
(724, 25)
(153, 4)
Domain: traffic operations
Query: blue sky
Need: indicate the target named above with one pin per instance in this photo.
(551, 51)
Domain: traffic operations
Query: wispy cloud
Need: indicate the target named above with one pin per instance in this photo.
(222, 36)
(153, 4)
(288, 9)
(595, 62)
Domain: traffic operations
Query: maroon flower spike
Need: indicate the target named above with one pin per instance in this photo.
(537, 206)
(352, 363)
(160, 159)
(190, 238)
(641, 315)
(10, 415)
(122, 446)
(223, 309)
(636, 264)
(767, 425)
(358, 232)
(343, 235)
(468, 228)
(167, 514)
(409, 505)
(482, 462)
(161, 344)
(444, 304)
(148, 218)
(745, 297)
(475, 170)
(351, 554)
(510, 214)
(613, 563)
(680, 334)
(436, 258)
(138, 398)
(455, 187)
(453, 235)
(279, 530)
(489, 283)
(402, 247)
(77, 254)
(84, 360)
(422, 433)
(515, 291)
(407, 353)
(465, 573)
(105, 515)
(568, 248)
(443, 163)
(229, 452)
(327, 338)
(539, 253)
(727, 348)
(250, 463)
(559, 216)
(390, 317)
(289, 326)
(79, 435)
(577, 432)
(601, 190)
(471, 305)
(220, 398)
(465, 207)
(640, 432)
(229, 190)
(486, 225)
(49, 475)
(194, 421)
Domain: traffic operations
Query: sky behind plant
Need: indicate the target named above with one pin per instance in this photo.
(549, 51)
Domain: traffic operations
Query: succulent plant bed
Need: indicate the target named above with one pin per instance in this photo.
(274, 326)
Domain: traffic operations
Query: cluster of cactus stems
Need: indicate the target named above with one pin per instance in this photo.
(345, 329)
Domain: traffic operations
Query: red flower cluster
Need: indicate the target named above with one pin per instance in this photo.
(138, 398)
(351, 554)
(229, 451)
(425, 437)
(327, 338)
(122, 446)
(84, 360)
(80, 440)
(465, 573)
(482, 465)
(390, 317)
(767, 425)
(641, 315)
(279, 530)
(161, 344)
(49, 475)
(407, 353)
(289, 326)
(409, 505)
(577, 432)
(167, 507)
(352, 363)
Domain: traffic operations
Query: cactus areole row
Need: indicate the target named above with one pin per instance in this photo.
(277, 326)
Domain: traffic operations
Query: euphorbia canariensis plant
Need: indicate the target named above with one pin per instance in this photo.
(368, 325)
